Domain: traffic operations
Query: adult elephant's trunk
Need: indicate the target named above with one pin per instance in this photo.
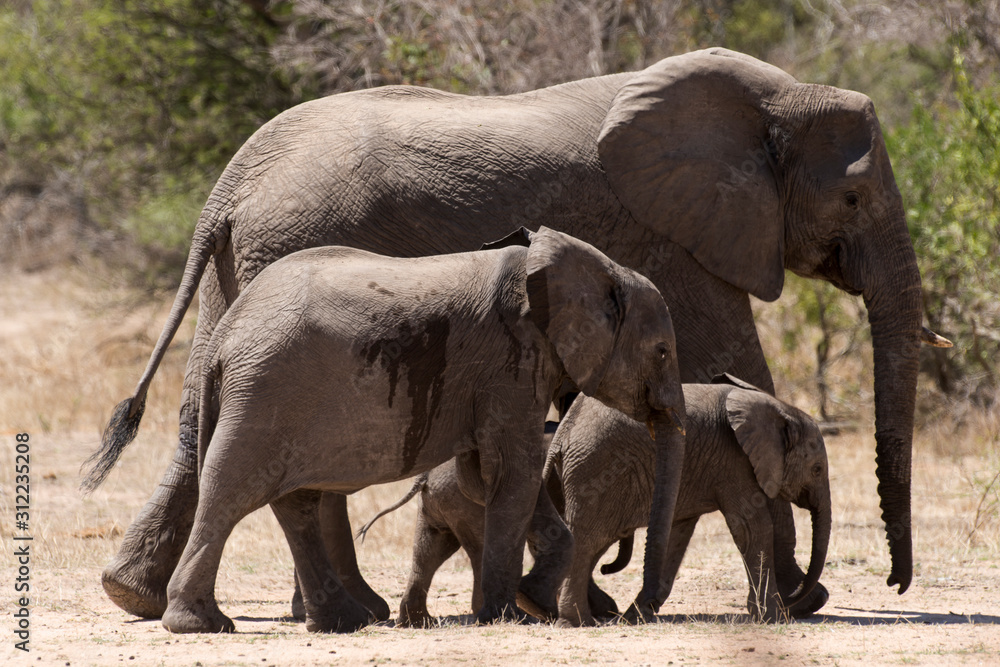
(822, 520)
(669, 435)
(892, 295)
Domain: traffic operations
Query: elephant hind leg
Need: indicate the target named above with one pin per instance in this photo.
(602, 605)
(432, 546)
(339, 541)
(136, 578)
(574, 605)
(328, 605)
(191, 604)
(551, 545)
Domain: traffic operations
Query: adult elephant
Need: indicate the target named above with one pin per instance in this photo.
(710, 172)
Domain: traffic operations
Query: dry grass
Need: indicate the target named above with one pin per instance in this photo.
(73, 347)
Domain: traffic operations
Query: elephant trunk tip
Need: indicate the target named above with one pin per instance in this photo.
(120, 431)
(904, 582)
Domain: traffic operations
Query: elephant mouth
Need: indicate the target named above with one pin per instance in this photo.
(669, 416)
(831, 269)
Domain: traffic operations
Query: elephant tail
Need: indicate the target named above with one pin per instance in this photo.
(208, 409)
(418, 485)
(551, 475)
(624, 556)
(210, 237)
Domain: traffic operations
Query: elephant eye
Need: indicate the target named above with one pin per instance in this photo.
(662, 350)
(852, 199)
(817, 470)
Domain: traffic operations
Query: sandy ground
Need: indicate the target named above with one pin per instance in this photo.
(70, 353)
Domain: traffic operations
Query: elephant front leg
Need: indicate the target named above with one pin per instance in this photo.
(754, 538)
(329, 607)
(512, 484)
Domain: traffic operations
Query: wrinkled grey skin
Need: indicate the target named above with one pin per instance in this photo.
(449, 355)
(744, 449)
(710, 172)
(451, 518)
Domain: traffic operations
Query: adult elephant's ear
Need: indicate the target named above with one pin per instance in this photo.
(573, 294)
(691, 151)
(760, 427)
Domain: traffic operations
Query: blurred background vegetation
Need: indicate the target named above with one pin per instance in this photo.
(117, 116)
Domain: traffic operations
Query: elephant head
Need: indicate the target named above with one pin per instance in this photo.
(753, 173)
(608, 325)
(786, 450)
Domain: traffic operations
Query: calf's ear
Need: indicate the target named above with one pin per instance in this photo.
(726, 378)
(574, 294)
(520, 236)
(761, 428)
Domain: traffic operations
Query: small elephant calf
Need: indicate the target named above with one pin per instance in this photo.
(336, 369)
(744, 447)
(451, 517)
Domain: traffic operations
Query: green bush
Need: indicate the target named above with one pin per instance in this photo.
(137, 106)
(947, 163)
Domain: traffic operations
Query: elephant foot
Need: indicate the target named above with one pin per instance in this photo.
(602, 605)
(134, 593)
(639, 612)
(575, 620)
(771, 613)
(363, 593)
(812, 603)
(348, 616)
(414, 616)
(492, 614)
(298, 604)
(538, 599)
(376, 606)
(185, 618)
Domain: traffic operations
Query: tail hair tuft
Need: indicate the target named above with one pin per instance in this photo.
(120, 431)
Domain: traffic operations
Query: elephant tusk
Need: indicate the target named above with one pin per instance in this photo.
(932, 339)
(676, 421)
(672, 417)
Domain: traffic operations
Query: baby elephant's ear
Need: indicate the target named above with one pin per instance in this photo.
(521, 236)
(760, 427)
(573, 293)
(726, 378)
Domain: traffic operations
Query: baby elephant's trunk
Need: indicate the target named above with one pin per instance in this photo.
(821, 524)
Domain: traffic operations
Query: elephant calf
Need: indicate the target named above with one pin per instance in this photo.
(743, 448)
(451, 517)
(336, 369)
